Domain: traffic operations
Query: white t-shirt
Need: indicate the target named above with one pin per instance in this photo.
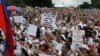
(90, 42)
(22, 27)
(43, 30)
(2, 47)
(63, 29)
(17, 51)
(97, 34)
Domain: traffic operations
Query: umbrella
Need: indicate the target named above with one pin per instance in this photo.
(11, 8)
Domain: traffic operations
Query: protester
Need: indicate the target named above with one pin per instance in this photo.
(55, 32)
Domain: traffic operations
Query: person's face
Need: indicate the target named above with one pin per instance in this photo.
(93, 35)
(42, 47)
(64, 49)
(22, 43)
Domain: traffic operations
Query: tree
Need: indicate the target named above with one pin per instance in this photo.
(84, 5)
(95, 3)
(16, 2)
(39, 3)
(34, 3)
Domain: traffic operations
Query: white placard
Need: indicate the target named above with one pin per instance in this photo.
(48, 20)
(77, 37)
(19, 19)
(43, 55)
(32, 30)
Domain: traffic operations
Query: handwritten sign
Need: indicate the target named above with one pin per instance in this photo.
(77, 37)
(32, 30)
(48, 20)
(19, 19)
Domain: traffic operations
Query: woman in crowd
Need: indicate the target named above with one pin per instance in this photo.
(60, 40)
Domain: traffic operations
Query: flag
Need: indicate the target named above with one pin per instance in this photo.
(6, 28)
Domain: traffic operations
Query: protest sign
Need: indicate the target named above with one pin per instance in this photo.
(19, 19)
(48, 20)
(43, 55)
(32, 30)
(77, 37)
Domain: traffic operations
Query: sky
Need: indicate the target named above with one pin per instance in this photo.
(67, 3)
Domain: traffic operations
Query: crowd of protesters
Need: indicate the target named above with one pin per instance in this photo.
(59, 41)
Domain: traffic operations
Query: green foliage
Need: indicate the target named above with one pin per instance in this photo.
(94, 4)
(34, 3)
(84, 5)
(16, 2)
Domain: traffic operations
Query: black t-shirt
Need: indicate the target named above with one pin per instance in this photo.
(38, 33)
(88, 31)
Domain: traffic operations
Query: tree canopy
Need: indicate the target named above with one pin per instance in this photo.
(33, 3)
(94, 4)
(85, 5)
(48, 3)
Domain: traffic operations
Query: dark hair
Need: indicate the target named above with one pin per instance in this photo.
(30, 45)
(15, 46)
(0, 33)
(70, 39)
(22, 39)
(68, 46)
(80, 27)
(54, 33)
(45, 46)
(96, 40)
(94, 32)
(1, 40)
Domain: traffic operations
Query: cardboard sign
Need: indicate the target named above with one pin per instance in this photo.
(19, 19)
(32, 30)
(48, 20)
(77, 37)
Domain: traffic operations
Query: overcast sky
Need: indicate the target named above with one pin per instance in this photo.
(67, 3)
